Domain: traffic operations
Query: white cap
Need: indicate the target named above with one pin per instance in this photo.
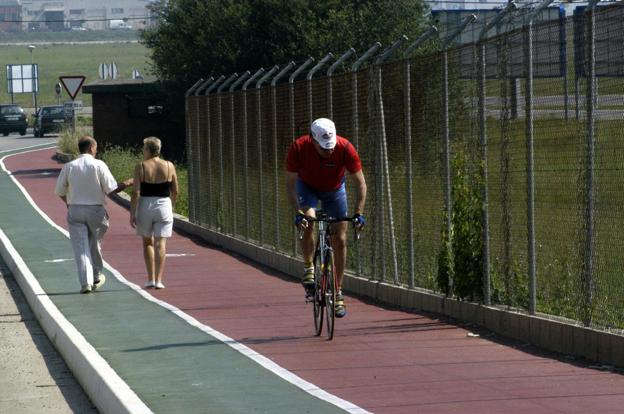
(324, 132)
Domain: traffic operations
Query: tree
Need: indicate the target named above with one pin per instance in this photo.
(199, 38)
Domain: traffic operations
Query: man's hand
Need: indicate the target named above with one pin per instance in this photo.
(133, 221)
(358, 221)
(300, 221)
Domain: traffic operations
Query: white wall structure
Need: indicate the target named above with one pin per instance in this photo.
(88, 14)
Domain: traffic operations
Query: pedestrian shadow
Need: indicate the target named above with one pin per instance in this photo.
(47, 172)
(160, 347)
(382, 329)
(213, 342)
(77, 292)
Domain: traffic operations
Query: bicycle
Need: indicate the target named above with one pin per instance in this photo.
(325, 286)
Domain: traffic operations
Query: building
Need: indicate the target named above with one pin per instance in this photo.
(88, 14)
(126, 111)
(10, 15)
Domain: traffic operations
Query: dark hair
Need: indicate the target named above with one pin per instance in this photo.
(85, 143)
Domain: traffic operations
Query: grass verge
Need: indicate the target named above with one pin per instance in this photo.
(121, 162)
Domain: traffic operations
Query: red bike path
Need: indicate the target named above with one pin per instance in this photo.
(382, 360)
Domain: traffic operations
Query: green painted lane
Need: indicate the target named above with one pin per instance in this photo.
(171, 365)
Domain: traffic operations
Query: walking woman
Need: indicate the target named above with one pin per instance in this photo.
(151, 210)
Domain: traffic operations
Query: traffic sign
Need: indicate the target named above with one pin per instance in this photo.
(69, 109)
(72, 107)
(103, 71)
(72, 84)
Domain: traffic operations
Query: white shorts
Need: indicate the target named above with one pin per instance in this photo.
(154, 217)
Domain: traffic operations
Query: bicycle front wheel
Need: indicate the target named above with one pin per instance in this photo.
(318, 296)
(330, 294)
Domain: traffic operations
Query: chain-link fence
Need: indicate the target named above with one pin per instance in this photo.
(494, 167)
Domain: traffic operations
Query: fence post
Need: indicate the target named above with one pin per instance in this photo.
(276, 154)
(530, 170)
(190, 151)
(293, 132)
(354, 89)
(233, 204)
(385, 169)
(266, 77)
(356, 125)
(484, 150)
(309, 79)
(222, 208)
(448, 200)
(577, 86)
(330, 72)
(189, 143)
(590, 197)
(249, 81)
(209, 206)
(408, 148)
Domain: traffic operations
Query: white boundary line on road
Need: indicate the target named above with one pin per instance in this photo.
(43, 146)
(106, 389)
(243, 349)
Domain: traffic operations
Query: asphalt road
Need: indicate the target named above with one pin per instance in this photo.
(34, 379)
(15, 141)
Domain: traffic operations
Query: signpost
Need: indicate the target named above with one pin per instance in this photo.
(72, 86)
(57, 89)
(23, 79)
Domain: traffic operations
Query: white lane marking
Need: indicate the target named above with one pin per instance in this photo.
(179, 254)
(243, 349)
(57, 260)
(39, 146)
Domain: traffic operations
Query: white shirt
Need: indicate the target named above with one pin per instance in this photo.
(85, 181)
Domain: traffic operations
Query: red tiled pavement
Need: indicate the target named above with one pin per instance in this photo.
(385, 361)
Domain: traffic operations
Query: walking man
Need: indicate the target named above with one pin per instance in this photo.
(83, 185)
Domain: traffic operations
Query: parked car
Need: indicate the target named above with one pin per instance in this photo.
(49, 119)
(12, 119)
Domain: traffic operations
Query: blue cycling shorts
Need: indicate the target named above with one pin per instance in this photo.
(333, 203)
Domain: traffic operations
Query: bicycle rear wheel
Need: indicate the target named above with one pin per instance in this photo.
(330, 294)
(318, 296)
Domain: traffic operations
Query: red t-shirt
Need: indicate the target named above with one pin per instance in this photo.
(322, 174)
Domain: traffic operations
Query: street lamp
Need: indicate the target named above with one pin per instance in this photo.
(30, 49)
(32, 74)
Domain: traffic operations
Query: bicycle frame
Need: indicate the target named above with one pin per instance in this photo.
(326, 285)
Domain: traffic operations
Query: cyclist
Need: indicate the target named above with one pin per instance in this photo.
(316, 165)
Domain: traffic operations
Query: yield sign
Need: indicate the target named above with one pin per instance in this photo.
(72, 84)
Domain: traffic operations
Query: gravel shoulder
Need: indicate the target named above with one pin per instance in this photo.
(34, 377)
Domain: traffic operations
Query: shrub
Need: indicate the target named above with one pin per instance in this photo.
(460, 261)
(68, 140)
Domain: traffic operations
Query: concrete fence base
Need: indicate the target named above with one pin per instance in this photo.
(545, 332)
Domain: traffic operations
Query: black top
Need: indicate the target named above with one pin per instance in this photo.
(162, 189)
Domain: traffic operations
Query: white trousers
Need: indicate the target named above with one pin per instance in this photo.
(87, 226)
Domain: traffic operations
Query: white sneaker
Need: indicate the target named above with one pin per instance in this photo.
(86, 289)
(150, 284)
(159, 285)
(100, 282)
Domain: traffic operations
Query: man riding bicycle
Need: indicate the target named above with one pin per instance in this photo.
(316, 167)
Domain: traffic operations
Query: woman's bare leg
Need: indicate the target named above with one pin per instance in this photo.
(160, 246)
(148, 256)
